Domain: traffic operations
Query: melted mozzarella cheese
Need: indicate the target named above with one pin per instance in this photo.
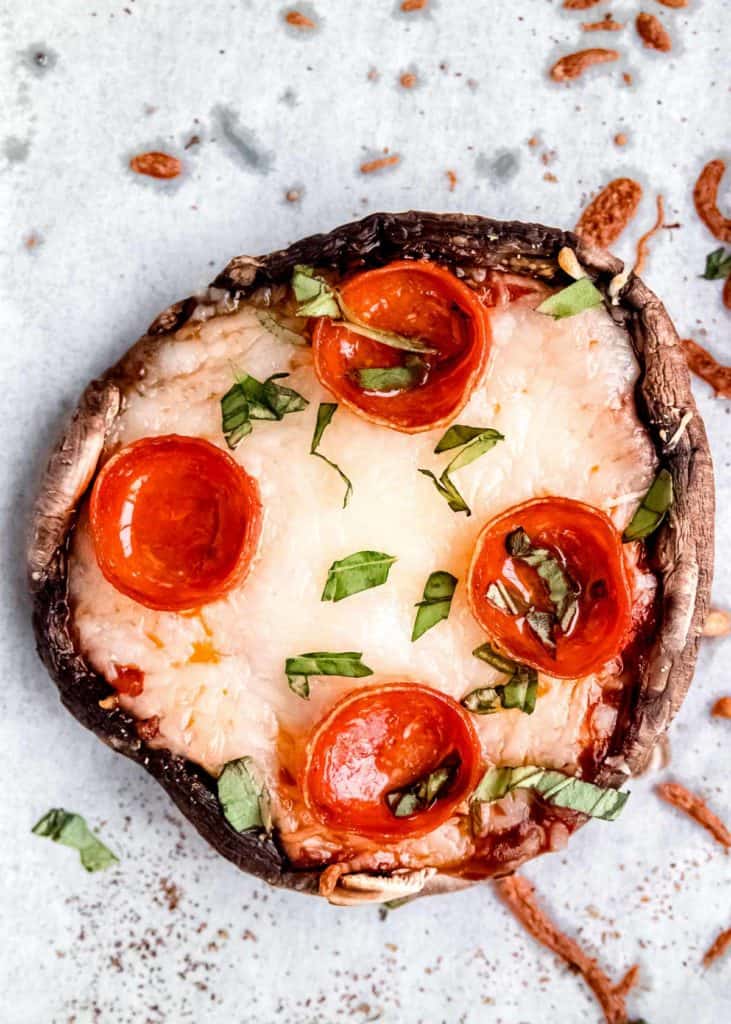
(562, 394)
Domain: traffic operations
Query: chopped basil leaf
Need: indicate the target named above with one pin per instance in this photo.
(569, 301)
(718, 265)
(653, 508)
(458, 435)
(400, 902)
(423, 793)
(325, 413)
(504, 598)
(315, 296)
(563, 591)
(323, 663)
(474, 446)
(71, 830)
(449, 492)
(435, 604)
(357, 572)
(520, 691)
(243, 796)
(392, 378)
(555, 787)
(318, 298)
(543, 624)
(279, 328)
(250, 399)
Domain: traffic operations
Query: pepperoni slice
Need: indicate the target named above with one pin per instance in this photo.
(584, 542)
(419, 300)
(175, 522)
(380, 740)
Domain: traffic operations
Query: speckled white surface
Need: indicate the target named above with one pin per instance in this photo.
(110, 251)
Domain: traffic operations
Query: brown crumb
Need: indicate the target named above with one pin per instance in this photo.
(32, 241)
(627, 78)
(148, 728)
(407, 80)
(696, 808)
(606, 25)
(703, 364)
(452, 179)
(194, 140)
(705, 197)
(413, 5)
(629, 981)
(673, 3)
(722, 708)
(717, 948)
(549, 176)
(519, 896)
(609, 213)
(579, 5)
(248, 936)
(171, 892)
(110, 703)
(533, 141)
(373, 75)
(642, 246)
(575, 64)
(156, 165)
(653, 33)
(299, 20)
(377, 165)
(293, 195)
(718, 623)
(620, 139)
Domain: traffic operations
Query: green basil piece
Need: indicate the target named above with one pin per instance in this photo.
(521, 690)
(477, 444)
(71, 830)
(250, 399)
(487, 653)
(325, 413)
(563, 591)
(579, 296)
(243, 796)
(718, 265)
(485, 700)
(279, 328)
(505, 598)
(652, 510)
(360, 571)
(435, 604)
(391, 378)
(555, 787)
(543, 625)
(423, 793)
(323, 663)
(315, 296)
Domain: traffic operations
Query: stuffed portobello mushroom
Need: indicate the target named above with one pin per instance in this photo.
(388, 555)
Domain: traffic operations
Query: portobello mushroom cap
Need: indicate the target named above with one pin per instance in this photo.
(680, 553)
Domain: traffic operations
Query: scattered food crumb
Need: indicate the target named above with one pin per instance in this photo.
(579, 5)
(549, 176)
(620, 139)
(293, 195)
(452, 179)
(156, 165)
(609, 213)
(642, 242)
(407, 80)
(673, 3)
(607, 24)
(575, 64)
(519, 896)
(627, 78)
(299, 20)
(32, 241)
(705, 197)
(722, 708)
(653, 33)
(373, 75)
(717, 948)
(171, 892)
(377, 165)
(414, 5)
(147, 728)
(533, 141)
(696, 808)
(718, 623)
(194, 140)
(703, 364)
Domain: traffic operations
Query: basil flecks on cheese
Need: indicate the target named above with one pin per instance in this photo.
(422, 793)
(435, 604)
(249, 399)
(279, 327)
(323, 663)
(520, 691)
(392, 378)
(243, 796)
(360, 571)
(555, 787)
(71, 830)
(473, 446)
(319, 298)
(653, 508)
(569, 301)
(325, 413)
(563, 591)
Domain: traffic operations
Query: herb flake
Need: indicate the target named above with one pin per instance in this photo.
(71, 830)
(243, 796)
(555, 787)
(325, 413)
(576, 298)
(385, 379)
(718, 265)
(435, 605)
(652, 509)
(521, 690)
(424, 792)
(360, 571)
(323, 663)
(474, 442)
(250, 399)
